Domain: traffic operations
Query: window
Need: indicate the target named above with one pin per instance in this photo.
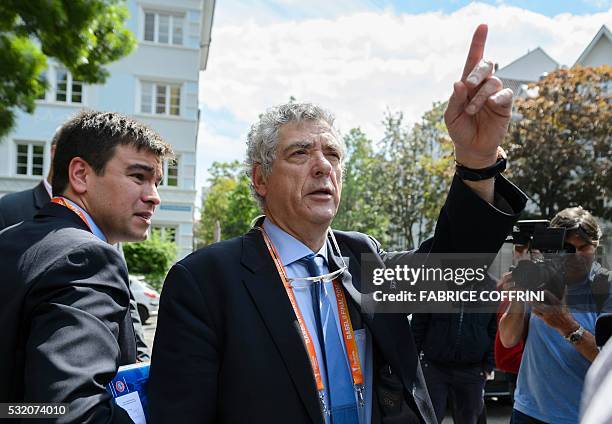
(66, 89)
(160, 99)
(30, 159)
(164, 232)
(170, 173)
(163, 28)
(43, 79)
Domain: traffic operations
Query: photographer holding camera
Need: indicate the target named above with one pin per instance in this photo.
(560, 345)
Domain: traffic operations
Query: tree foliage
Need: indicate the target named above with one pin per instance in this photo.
(151, 258)
(83, 35)
(362, 206)
(417, 172)
(241, 210)
(561, 147)
(227, 206)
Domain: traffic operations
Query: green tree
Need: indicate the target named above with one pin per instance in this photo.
(215, 202)
(362, 207)
(241, 209)
(151, 258)
(560, 148)
(417, 172)
(83, 35)
(227, 207)
(437, 167)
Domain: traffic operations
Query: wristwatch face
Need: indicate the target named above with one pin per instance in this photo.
(576, 335)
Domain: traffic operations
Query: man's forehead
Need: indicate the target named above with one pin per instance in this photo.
(577, 238)
(306, 131)
(128, 156)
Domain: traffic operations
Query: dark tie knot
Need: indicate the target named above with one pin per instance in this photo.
(312, 266)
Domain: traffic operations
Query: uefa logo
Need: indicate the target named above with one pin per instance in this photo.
(120, 386)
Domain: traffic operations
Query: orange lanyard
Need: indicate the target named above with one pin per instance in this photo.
(346, 325)
(62, 201)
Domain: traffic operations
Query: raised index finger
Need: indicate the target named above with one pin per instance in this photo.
(476, 50)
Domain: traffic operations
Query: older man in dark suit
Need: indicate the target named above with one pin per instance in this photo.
(267, 327)
(64, 295)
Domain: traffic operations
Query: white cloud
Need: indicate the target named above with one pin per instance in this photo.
(360, 64)
(266, 12)
(213, 146)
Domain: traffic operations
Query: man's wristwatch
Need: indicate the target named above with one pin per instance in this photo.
(575, 336)
(471, 174)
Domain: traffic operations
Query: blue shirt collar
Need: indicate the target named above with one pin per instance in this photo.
(288, 247)
(94, 228)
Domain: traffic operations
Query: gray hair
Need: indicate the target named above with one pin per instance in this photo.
(263, 136)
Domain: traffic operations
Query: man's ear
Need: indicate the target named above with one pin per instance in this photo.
(259, 181)
(79, 172)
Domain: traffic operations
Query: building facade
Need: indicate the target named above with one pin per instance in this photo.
(156, 84)
(536, 63)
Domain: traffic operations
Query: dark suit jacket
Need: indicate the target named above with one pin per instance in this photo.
(23, 205)
(64, 316)
(228, 348)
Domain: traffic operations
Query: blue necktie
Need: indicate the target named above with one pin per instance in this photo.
(340, 391)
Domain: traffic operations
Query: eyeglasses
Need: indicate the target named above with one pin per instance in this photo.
(303, 282)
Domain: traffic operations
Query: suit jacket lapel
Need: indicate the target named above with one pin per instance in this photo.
(351, 278)
(266, 288)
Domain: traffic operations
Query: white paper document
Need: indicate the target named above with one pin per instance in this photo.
(131, 403)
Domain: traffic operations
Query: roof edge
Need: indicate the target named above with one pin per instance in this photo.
(602, 31)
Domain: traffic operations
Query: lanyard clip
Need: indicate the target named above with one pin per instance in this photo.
(326, 411)
(360, 396)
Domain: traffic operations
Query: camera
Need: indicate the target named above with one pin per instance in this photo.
(546, 272)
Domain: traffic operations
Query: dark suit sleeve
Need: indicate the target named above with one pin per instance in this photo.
(419, 325)
(186, 358)
(72, 352)
(469, 224)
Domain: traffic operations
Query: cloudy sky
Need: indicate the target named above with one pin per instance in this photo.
(362, 57)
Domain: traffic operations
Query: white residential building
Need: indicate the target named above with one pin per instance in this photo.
(157, 84)
(599, 50)
(531, 66)
(526, 69)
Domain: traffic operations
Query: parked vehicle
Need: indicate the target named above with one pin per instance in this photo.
(502, 386)
(147, 299)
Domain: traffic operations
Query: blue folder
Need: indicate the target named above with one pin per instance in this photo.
(130, 387)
